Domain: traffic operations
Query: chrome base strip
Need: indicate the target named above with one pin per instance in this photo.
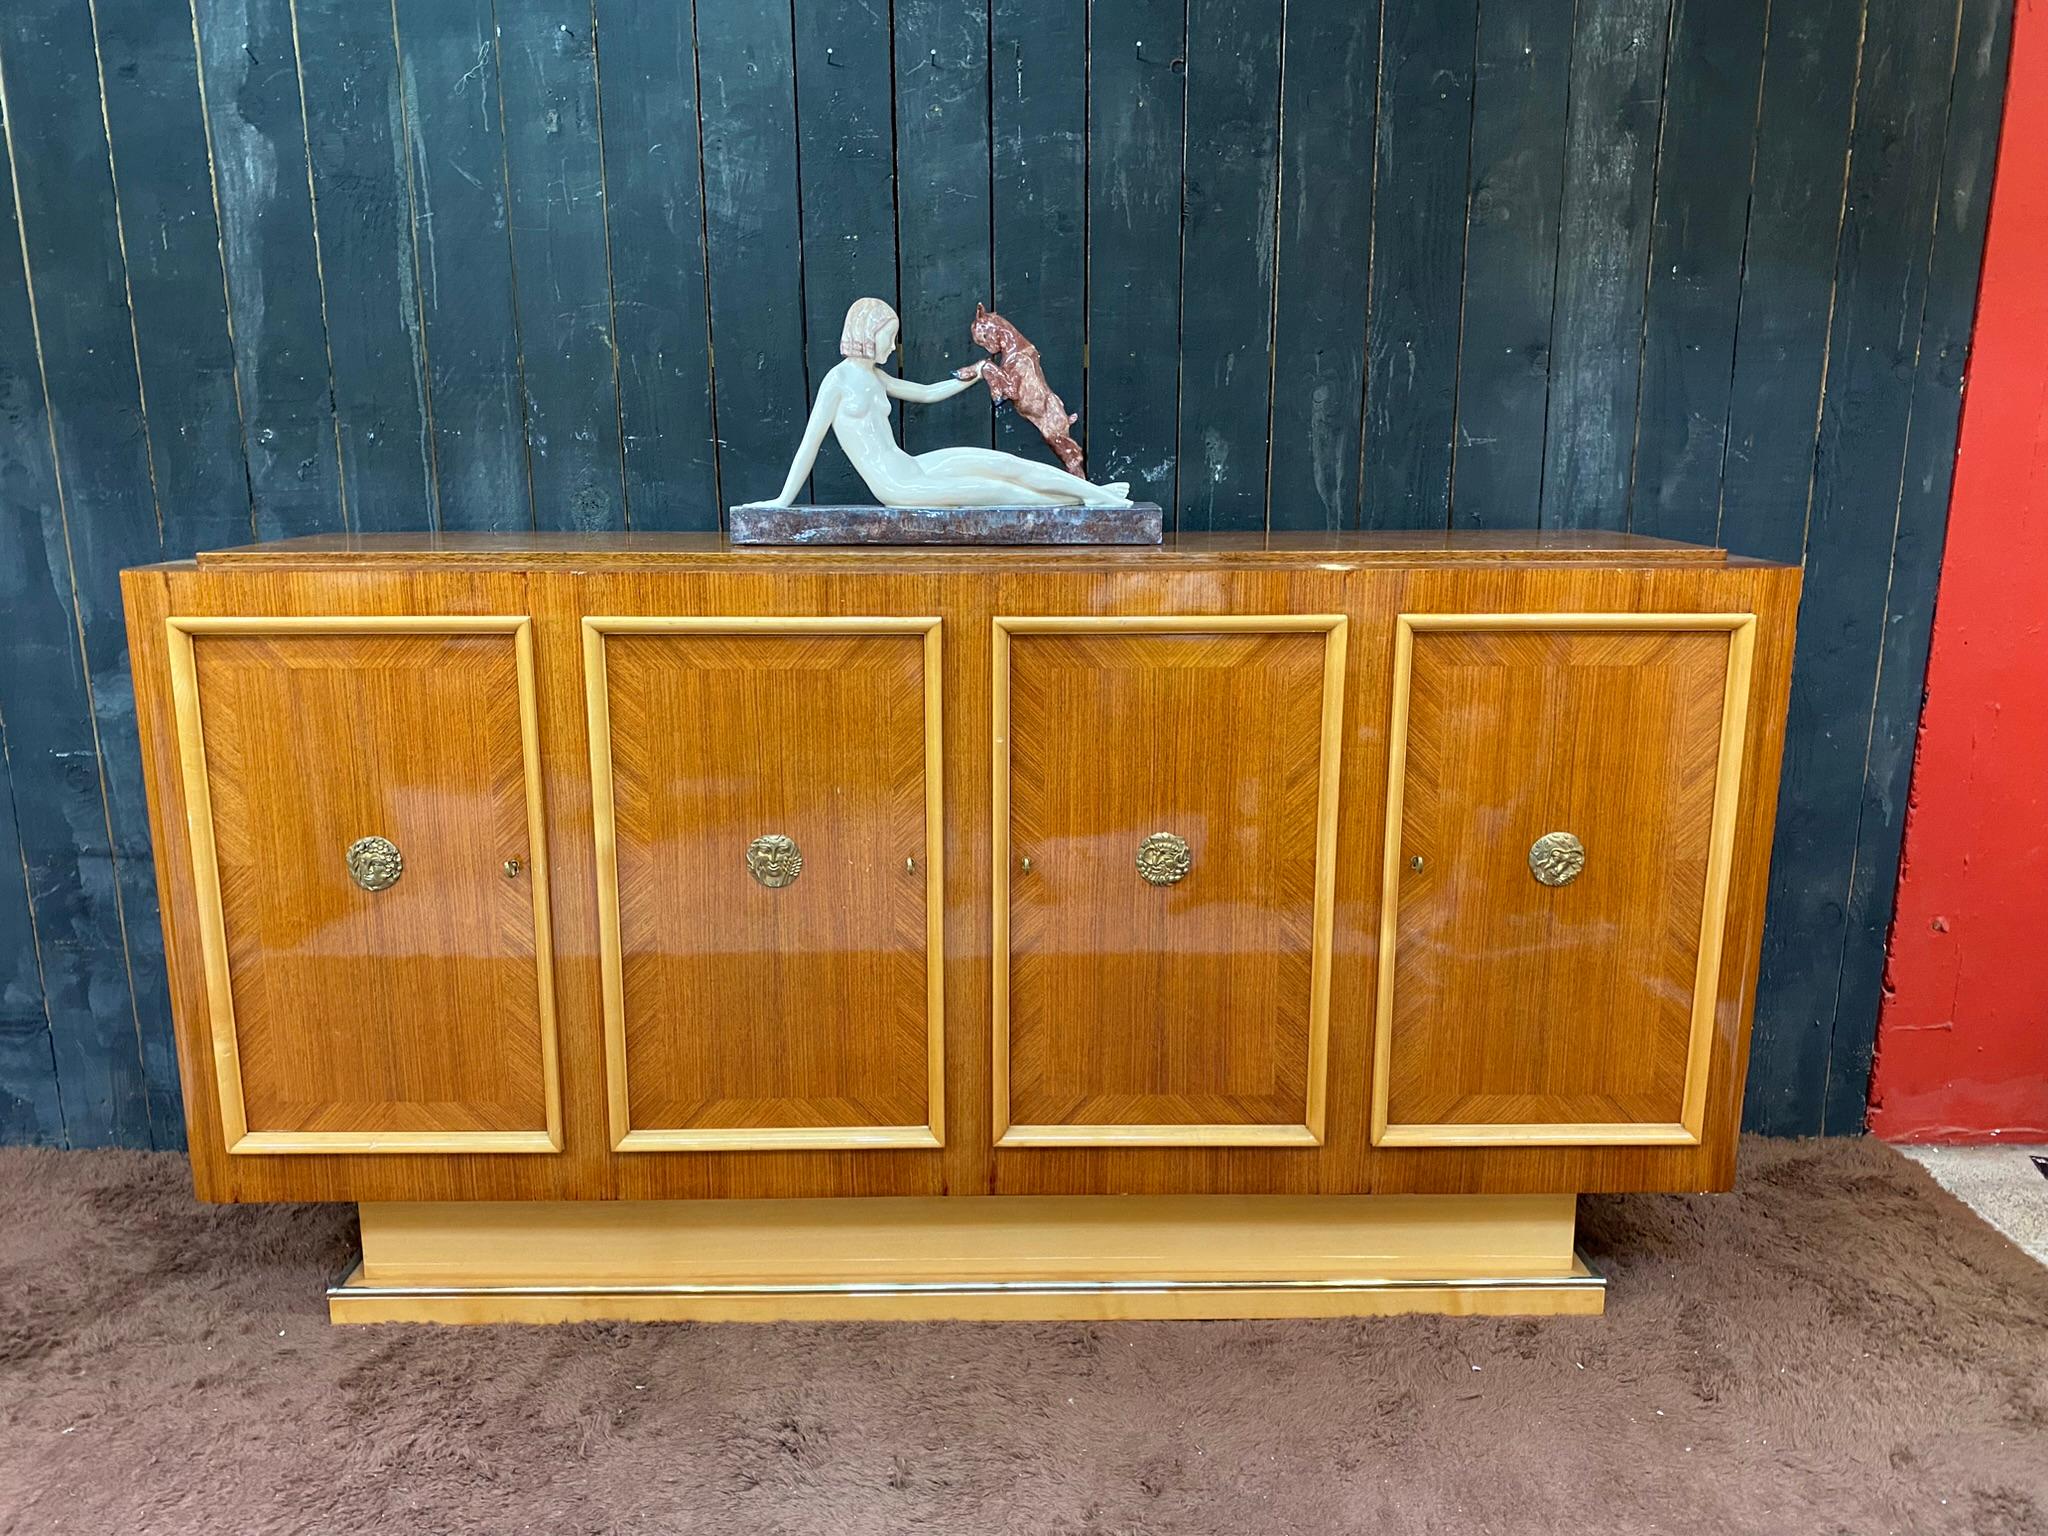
(1584, 1278)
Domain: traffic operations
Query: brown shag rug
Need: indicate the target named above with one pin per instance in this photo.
(1838, 1347)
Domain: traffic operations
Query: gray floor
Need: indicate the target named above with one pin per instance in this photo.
(2001, 1184)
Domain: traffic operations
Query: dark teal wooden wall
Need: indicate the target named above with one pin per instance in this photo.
(1702, 268)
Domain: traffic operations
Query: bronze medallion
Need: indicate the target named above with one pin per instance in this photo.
(774, 860)
(1163, 859)
(1556, 858)
(374, 863)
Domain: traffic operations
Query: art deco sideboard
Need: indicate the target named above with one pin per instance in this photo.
(647, 927)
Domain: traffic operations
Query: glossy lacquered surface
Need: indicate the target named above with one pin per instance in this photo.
(745, 1013)
(1577, 1006)
(407, 1011)
(1166, 1037)
(1189, 1008)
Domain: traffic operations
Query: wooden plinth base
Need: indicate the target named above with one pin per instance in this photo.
(972, 1257)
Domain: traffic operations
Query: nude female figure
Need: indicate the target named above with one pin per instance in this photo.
(853, 403)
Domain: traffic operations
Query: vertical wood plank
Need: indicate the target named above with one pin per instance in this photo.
(1039, 140)
(169, 241)
(1227, 262)
(74, 467)
(1962, 208)
(1329, 85)
(1873, 340)
(362, 211)
(1421, 166)
(257, 155)
(1137, 134)
(1596, 343)
(942, 208)
(555, 175)
(31, 1110)
(1811, 60)
(469, 323)
(1802, 148)
(654, 197)
(746, 67)
(1696, 241)
(1519, 96)
(847, 192)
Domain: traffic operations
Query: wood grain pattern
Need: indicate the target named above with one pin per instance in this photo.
(346, 55)
(65, 958)
(415, 1018)
(1071, 1239)
(1191, 1014)
(1596, 340)
(74, 385)
(1137, 145)
(941, 86)
(468, 310)
(968, 591)
(1038, 140)
(1697, 237)
(753, 243)
(1516, 1013)
(1328, 76)
(986, 1257)
(1229, 244)
(1519, 90)
(846, 148)
(1421, 169)
(744, 1018)
(269, 257)
(654, 206)
(561, 250)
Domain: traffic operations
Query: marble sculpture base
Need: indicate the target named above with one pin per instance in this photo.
(1139, 523)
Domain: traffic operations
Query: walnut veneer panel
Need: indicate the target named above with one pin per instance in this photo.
(1527, 1013)
(410, 1018)
(739, 1015)
(1190, 1013)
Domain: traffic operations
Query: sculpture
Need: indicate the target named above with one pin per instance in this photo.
(853, 404)
(1016, 375)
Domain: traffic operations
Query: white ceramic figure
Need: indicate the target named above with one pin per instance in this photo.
(854, 403)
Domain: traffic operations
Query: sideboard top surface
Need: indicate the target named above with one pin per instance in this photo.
(1184, 551)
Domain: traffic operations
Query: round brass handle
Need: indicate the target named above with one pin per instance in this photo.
(1556, 858)
(1163, 859)
(774, 860)
(374, 863)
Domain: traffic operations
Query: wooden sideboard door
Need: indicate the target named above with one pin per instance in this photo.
(1561, 818)
(1165, 843)
(363, 802)
(769, 845)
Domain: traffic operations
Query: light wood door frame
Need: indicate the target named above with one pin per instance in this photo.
(1687, 1130)
(185, 703)
(597, 697)
(1335, 629)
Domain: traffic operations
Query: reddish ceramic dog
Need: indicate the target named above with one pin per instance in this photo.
(1013, 373)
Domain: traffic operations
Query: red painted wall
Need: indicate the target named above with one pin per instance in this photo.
(1962, 1052)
